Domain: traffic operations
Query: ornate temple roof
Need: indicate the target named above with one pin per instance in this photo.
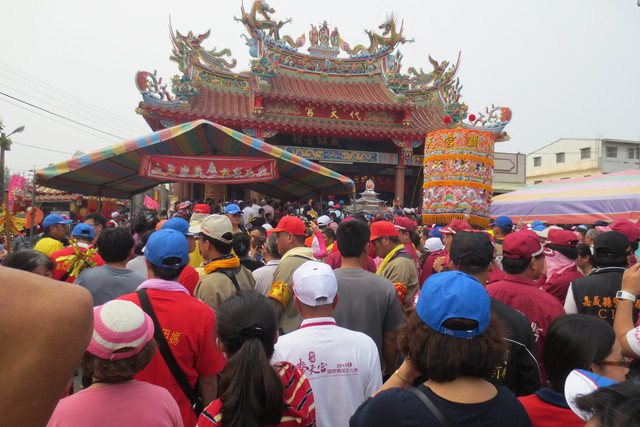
(362, 93)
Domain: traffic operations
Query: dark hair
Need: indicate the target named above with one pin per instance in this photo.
(117, 371)
(607, 260)
(353, 237)
(575, 341)
(505, 231)
(114, 244)
(140, 227)
(515, 265)
(272, 246)
(166, 273)
(261, 230)
(430, 352)
(221, 247)
(329, 232)
(241, 244)
(252, 392)
(568, 251)
(617, 405)
(394, 239)
(142, 242)
(584, 250)
(97, 218)
(28, 260)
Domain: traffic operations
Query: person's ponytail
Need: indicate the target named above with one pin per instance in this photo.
(251, 390)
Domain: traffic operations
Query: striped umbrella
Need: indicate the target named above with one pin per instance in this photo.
(113, 171)
(574, 201)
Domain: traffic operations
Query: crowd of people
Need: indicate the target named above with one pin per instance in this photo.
(252, 314)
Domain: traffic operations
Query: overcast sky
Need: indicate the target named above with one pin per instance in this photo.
(566, 68)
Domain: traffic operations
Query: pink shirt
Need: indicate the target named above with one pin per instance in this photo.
(124, 404)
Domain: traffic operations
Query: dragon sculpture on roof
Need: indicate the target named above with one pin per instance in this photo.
(266, 26)
(389, 39)
(188, 53)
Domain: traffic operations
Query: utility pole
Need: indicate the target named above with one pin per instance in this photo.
(5, 145)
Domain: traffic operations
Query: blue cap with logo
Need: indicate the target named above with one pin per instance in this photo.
(453, 294)
(232, 209)
(164, 245)
(83, 230)
(179, 224)
(54, 219)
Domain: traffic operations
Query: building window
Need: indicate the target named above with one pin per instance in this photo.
(559, 157)
(585, 153)
(537, 182)
(633, 153)
(612, 152)
(537, 162)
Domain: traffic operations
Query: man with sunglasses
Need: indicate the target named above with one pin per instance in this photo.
(55, 234)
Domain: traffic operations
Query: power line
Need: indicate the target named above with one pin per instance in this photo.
(61, 116)
(97, 118)
(57, 121)
(61, 93)
(42, 148)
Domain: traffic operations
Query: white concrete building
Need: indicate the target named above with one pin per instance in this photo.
(575, 157)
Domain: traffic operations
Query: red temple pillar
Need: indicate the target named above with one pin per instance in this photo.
(399, 194)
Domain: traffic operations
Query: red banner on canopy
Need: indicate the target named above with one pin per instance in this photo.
(233, 170)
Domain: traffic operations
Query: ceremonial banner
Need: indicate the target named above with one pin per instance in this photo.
(150, 204)
(219, 170)
(16, 188)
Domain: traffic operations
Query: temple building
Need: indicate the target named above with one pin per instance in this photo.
(350, 109)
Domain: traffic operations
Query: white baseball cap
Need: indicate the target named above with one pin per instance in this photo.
(215, 226)
(314, 283)
(324, 220)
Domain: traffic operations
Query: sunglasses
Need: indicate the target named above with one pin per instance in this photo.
(623, 363)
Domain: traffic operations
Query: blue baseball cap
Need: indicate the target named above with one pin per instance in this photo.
(435, 232)
(179, 224)
(165, 244)
(453, 294)
(537, 225)
(83, 230)
(232, 209)
(54, 219)
(503, 222)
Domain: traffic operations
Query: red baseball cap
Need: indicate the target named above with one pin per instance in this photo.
(562, 238)
(403, 223)
(202, 208)
(454, 226)
(381, 229)
(624, 226)
(291, 224)
(523, 244)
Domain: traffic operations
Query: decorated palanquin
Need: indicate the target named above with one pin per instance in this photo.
(349, 106)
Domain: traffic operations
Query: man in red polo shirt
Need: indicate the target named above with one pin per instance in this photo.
(188, 325)
(523, 262)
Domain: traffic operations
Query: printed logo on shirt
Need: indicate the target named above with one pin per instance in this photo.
(314, 368)
(605, 306)
(172, 337)
(537, 331)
